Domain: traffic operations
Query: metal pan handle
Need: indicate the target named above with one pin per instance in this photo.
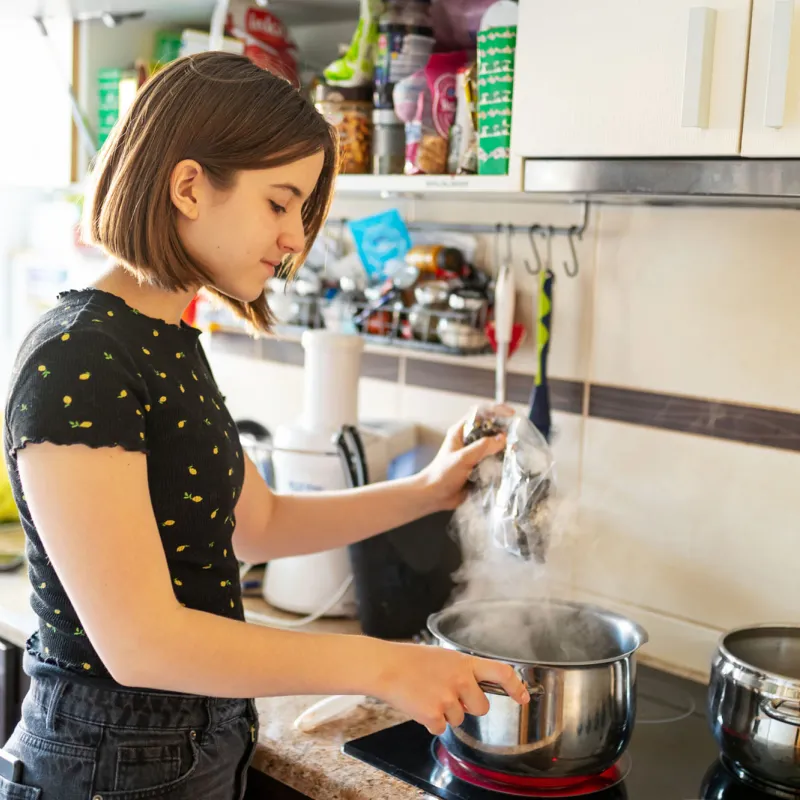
(534, 690)
(787, 711)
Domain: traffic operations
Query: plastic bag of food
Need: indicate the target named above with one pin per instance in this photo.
(267, 41)
(517, 486)
(357, 65)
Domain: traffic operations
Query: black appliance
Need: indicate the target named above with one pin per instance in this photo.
(672, 756)
(403, 576)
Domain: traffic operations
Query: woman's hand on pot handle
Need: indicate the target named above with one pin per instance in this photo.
(446, 476)
(436, 687)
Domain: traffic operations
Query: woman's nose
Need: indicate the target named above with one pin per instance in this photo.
(292, 238)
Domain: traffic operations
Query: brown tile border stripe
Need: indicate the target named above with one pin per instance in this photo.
(738, 423)
(564, 395)
(729, 421)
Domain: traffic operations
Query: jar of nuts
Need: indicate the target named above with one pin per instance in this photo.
(349, 110)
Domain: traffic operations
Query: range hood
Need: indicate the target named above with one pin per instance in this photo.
(667, 181)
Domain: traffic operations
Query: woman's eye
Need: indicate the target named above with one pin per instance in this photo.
(276, 208)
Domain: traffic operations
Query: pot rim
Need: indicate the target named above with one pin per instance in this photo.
(766, 681)
(435, 619)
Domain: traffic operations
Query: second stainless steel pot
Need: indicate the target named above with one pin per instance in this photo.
(754, 703)
(579, 664)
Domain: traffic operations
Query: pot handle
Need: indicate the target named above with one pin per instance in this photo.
(787, 711)
(496, 689)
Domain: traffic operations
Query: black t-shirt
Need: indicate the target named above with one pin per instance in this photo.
(94, 371)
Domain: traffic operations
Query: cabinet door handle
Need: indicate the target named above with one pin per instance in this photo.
(779, 52)
(699, 67)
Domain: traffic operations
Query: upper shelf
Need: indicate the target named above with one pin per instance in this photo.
(471, 185)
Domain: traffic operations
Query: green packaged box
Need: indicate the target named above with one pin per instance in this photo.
(496, 52)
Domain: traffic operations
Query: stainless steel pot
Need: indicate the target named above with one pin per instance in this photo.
(754, 703)
(578, 662)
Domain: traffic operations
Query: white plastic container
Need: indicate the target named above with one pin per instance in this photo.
(332, 369)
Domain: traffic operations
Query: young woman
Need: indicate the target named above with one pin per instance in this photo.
(133, 489)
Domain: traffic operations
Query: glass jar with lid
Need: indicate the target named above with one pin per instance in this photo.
(349, 110)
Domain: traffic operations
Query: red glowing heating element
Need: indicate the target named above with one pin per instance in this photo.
(519, 786)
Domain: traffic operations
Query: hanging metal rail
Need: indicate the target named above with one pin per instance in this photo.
(572, 233)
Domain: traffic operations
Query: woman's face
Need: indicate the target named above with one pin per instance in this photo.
(242, 234)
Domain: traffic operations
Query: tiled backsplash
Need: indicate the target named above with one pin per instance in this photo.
(678, 410)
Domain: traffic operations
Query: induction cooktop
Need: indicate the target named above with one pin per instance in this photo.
(672, 756)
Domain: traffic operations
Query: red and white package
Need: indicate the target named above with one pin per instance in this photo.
(266, 39)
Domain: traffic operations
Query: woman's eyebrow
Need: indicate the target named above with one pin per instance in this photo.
(289, 187)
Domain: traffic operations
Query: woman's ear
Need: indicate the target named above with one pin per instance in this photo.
(187, 188)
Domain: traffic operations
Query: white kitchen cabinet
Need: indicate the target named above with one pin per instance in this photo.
(630, 77)
(772, 103)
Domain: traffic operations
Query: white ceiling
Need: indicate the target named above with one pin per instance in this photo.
(291, 11)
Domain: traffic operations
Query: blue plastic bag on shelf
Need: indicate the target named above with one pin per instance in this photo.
(381, 241)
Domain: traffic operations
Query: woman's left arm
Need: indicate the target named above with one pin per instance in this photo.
(272, 525)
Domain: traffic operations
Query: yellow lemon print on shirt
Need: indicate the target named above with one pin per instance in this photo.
(147, 407)
(182, 423)
(84, 376)
(162, 400)
(233, 606)
(162, 374)
(65, 337)
(215, 450)
(138, 413)
(43, 370)
(155, 333)
(110, 313)
(192, 471)
(141, 435)
(56, 610)
(42, 585)
(224, 583)
(167, 523)
(208, 566)
(214, 402)
(202, 399)
(177, 582)
(145, 351)
(76, 424)
(67, 401)
(194, 498)
(180, 386)
(230, 472)
(86, 666)
(123, 394)
(180, 355)
(214, 513)
(193, 375)
(182, 548)
(225, 553)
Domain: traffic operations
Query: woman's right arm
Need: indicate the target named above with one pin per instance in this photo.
(92, 510)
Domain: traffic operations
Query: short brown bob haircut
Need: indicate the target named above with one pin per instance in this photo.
(227, 114)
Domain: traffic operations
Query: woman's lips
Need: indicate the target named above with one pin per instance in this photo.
(270, 266)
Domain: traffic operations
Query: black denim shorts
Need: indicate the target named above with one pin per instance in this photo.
(83, 742)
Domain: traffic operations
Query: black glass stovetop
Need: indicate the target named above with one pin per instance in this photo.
(673, 754)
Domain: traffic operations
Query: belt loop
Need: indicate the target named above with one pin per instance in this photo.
(52, 706)
(211, 714)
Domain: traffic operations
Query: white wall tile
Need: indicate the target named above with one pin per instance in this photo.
(699, 303)
(700, 529)
(264, 391)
